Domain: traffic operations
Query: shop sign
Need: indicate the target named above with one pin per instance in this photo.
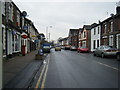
(24, 36)
(33, 35)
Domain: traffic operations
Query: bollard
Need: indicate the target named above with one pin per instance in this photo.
(39, 55)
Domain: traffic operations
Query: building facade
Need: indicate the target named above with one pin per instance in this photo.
(73, 37)
(95, 37)
(110, 31)
(85, 37)
(14, 26)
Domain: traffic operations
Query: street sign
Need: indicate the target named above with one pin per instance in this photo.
(25, 27)
(24, 36)
(33, 35)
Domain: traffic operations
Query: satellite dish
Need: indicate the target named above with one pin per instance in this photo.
(24, 13)
(111, 14)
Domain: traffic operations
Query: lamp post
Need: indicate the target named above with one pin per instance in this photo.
(48, 37)
(0, 46)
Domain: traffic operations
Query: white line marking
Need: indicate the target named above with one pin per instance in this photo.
(106, 65)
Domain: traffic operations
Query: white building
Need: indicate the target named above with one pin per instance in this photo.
(95, 37)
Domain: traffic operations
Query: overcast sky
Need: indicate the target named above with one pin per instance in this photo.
(63, 15)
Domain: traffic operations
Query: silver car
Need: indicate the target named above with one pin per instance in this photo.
(105, 50)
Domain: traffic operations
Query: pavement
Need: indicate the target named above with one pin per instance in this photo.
(20, 68)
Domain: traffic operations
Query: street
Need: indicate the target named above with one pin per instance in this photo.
(69, 69)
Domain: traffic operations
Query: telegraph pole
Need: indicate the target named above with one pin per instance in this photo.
(1, 45)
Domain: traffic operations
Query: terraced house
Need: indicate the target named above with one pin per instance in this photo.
(14, 26)
(85, 36)
(95, 36)
(73, 37)
(110, 30)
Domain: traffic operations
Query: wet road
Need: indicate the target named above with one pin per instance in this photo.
(69, 69)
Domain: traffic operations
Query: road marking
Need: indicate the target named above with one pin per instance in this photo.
(39, 80)
(106, 65)
(44, 78)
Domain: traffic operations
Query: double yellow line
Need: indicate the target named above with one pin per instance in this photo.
(44, 72)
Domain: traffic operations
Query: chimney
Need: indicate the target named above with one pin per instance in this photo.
(118, 8)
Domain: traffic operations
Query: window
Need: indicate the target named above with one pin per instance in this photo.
(105, 28)
(98, 30)
(18, 18)
(111, 26)
(111, 40)
(3, 8)
(94, 44)
(94, 31)
(84, 43)
(11, 12)
(84, 35)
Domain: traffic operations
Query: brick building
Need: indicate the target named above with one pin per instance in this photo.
(73, 37)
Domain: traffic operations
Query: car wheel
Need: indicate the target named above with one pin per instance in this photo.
(94, 54)
(102, 55)
(118, 57)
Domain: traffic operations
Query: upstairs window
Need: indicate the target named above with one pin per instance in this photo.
(98, 30)
(3, 8)
(84, 34)
(111, 26)
(18, 19)
(11, 12)
(94, 31)
(105, 28)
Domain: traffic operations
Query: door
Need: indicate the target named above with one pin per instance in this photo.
(118, 41)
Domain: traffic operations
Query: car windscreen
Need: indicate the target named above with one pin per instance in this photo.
(107, 47)
(46, 47)
(82, 47)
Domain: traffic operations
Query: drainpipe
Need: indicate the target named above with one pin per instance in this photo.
(1, 46)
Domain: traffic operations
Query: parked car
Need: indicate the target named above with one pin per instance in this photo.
(118, 55)
(62, 47)
(46, 49)
(73, 48)
(82, 49)
(67, 47)
(57, 48)
(105, 50)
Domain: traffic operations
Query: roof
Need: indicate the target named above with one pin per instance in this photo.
(74, 29)
(110, 18)
(87, 27)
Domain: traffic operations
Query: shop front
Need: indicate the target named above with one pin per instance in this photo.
(16, 42)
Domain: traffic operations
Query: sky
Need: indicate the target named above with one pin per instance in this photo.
(61, 15)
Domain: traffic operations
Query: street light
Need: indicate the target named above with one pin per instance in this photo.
(1, 45)
(47, 33)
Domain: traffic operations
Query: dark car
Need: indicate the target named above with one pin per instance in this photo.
(46, 49)
(67, 47)
(118, 55)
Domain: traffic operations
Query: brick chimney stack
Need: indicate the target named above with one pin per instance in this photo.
(118, 8)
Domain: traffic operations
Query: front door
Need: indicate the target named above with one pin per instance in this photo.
(118, 41)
